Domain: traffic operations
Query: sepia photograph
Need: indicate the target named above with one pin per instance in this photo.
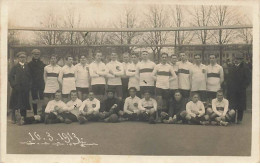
(153, 80)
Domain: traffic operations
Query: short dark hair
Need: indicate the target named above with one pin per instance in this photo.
(58, 91)
(195, 93)
(132, 88)
(91, 92)
(212, 55)
(177, 91)
(98, 51)
(82, 56)
(147, 91)
(54, 55)
(164, 53)
(174, 55)
(197, 55)
(220, 91)
(73, 91)
(69, 56)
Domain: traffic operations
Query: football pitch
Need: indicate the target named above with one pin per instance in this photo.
(131, 138)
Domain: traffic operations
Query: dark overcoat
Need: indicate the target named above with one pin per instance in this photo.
(238, 79)
(20, 81)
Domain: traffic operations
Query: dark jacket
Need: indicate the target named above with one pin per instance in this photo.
(37, 68)
(20, 81)
(108, 103)
(177, 107)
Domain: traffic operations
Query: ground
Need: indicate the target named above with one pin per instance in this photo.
(136, 138)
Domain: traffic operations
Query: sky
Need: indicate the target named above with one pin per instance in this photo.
(94, 14)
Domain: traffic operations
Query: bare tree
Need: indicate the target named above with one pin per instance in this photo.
(221, 16)
(202, 17)
(156, 16)
(180, 37)
(127, 20)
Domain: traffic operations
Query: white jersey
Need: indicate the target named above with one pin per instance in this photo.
(163, 73)
(184, 75)
(198, 77)
(118, 70)
(91, 105)
(144, 73)
(220, 106)
(97, 72)
(82, 75)
(51, 81)
(133, 80)
(73, 106)
(131, 104)
(53, 103)
(67, 78)
(174, 83)
(192, 107)
(215, 76)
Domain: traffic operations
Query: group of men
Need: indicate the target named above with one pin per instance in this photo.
(99, 91)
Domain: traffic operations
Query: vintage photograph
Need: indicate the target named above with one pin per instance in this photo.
(136, 78)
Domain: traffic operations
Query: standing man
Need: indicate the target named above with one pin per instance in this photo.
(144, 72)
(215, 77)
(97, 72)
(174, 81)
(198, 78)
(115, 72)
(37, 68)
(51, 74)
(82, 78)
(130, 72)
(238, 79)
(20, 81)
(67, 78)
(161, 75)
(125, 78)
(184, 75)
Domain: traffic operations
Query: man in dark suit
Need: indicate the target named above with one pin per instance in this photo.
(238, 79)
(36, 67)
(20, 81)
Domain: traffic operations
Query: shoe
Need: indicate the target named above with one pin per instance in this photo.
(166, 121)
(204, 122)
(239, 122)
(213, 123)
(222, 123)
(20, 121)
(121, 119)
(152, 120)
(82, 120)
(61, 119)
(67, 121)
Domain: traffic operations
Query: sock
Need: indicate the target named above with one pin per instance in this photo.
(34, 109)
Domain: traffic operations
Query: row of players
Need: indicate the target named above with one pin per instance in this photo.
(133, 109)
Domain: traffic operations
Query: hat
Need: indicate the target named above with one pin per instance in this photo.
(239, 56)
(20, 53)
(34, 51)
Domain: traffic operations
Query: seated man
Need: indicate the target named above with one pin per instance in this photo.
(111, 110)
(131, 111)
(148, 108)
(89, 110)
(176, 113)
(196, 111)
(72, 113)
(219, 113)
(54, 109)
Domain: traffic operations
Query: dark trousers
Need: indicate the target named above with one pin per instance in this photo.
(237, 100)
(69, 116)
(125, 87)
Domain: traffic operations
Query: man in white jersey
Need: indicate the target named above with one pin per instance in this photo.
(130, 72)
(131, 111)
(125, 78)
(54, 109)
(144, 72)
(115, 72)
(50, 76)
(82, 77)
(198, 77)
(161, 75)
(219, 113)
(196, 111)
(97, 72)
(72, 113)
(89, 110)
(67, 78)
(215, 77)
(174, 81)
(184, 75)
